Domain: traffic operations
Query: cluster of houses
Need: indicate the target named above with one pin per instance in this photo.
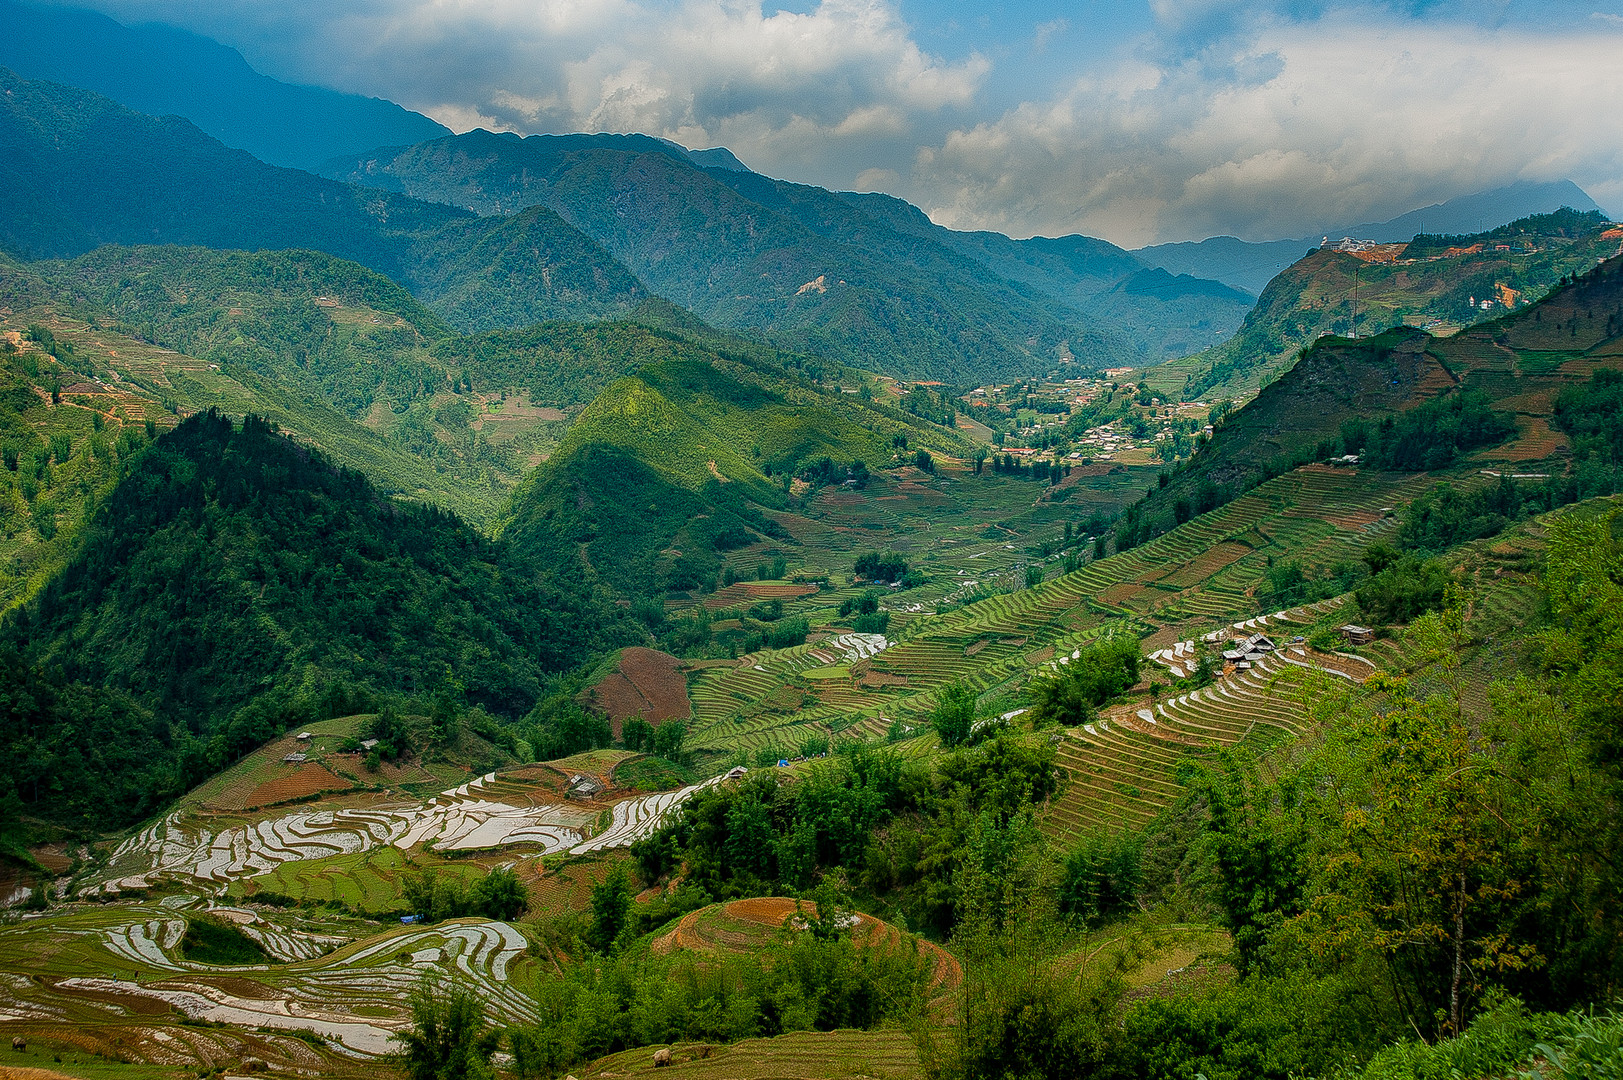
(1243, 652)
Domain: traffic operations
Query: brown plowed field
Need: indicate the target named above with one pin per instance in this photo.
(1538, 442)
(648, 683)
(1206, 564)
(307, 779)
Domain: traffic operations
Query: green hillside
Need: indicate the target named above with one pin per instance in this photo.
(337, 355)
(1164, 315)
(234, 583)
(804, 268)
(1436, 283)
(81, 171)
(1336, 399)
(669, 468)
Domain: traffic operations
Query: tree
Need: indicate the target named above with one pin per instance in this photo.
(1415, 851)
(637, 733)
(1098, 673)
(611, 910)
(668, 739)
(981, 454)
(954, 714)
(501, 895)
(448, 1038)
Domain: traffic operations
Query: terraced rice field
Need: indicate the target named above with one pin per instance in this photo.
(118, 962)
(1123, 769)
(186, 848)
(1175, 588)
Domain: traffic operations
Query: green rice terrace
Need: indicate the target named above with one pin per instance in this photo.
(302, 849)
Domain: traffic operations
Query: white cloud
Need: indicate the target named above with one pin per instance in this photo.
(1346, 119)
(1256, 117)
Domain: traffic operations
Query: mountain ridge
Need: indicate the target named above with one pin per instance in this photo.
(161, 70)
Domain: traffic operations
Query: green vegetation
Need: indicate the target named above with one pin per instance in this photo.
(1100, 673)
(905, 827)
(1431, 435)
(655, 480)
(449, 1038)
(802, 980)
(129, 698)
(432, 897)
(212, 940)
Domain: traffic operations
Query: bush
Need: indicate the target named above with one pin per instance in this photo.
(432, 896)
(212, 940)
(448, 1038)
(1403, 591)
(1025, 1019)
(1430, 435)
(788, 633)
(1102, 671)
(883, 567)
(873, 623)
(954, 714)
(803, 981)
(1100, 877)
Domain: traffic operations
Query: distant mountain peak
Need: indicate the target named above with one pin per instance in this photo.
(160, 70)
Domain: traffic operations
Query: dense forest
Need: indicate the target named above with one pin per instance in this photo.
(234, 583)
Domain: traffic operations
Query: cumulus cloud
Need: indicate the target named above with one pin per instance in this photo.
(1340, 120)
(1261, 118)
(823, 93)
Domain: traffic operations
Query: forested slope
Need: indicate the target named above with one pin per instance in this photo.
(235, 583)
(1408, 401)
(669, 467)
(81, 171)
(802, 267)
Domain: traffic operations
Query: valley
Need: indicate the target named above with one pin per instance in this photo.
(572, 606)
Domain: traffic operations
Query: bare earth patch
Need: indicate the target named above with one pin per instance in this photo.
(648, 683)
(306, 779)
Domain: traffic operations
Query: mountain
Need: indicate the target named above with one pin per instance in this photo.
(851, 275)
(162, 71)
(798, 265)
(1250, 266)
(1439, 282)
(1335, 399)
(672, 466)
(1164, 315)
(81, 171)
(304, 589)
(1241, 264)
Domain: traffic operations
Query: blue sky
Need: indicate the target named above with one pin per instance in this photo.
(1138, 122)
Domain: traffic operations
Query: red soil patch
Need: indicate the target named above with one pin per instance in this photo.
(881, 678)
(307, 779)
(648, 683)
